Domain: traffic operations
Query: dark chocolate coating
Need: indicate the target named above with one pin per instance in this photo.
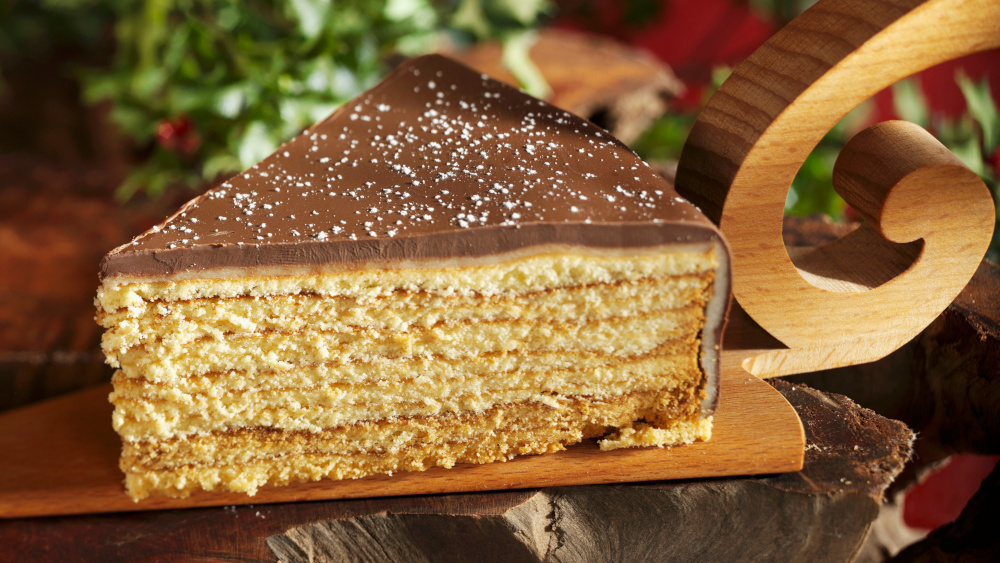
(437, 161)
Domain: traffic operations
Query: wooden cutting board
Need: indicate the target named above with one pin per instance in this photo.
(61, 457)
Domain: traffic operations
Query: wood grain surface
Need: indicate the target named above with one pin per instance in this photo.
(820, 513)
(878, 288)
(61, 457)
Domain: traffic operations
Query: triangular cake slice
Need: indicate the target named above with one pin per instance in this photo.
(446, 270)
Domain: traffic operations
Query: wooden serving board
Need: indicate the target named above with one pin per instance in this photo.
(61, 457)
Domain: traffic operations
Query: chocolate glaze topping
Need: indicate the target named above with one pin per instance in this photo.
(437, 161)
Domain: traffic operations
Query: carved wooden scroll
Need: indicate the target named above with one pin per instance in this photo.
(928, 219)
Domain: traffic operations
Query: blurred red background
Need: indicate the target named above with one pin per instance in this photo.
(694, 36)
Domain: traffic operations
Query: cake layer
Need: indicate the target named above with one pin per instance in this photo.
(245, 460)
(171, 414)
(185, 321)
(275, 351)
(536, 269)
(384, 371)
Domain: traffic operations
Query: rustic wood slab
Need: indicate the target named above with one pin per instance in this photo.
(945, 385)
(61, 457)
(852, 453)
(820, 513)
(618, 87)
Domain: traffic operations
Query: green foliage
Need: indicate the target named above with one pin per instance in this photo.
(982, 109)
(511, 21)
(664, 139)
(209, 87)
(515, 57)
(909, 102)
(976, 140)
(812, 190)
(486, 19)
(248, 75)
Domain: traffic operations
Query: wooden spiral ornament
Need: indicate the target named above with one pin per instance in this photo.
(928, 219)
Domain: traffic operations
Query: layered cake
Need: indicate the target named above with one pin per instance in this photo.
(444, 271)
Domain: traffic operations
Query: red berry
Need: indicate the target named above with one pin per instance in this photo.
(165, 133)
(189, 143)
(851, 214)
(178, 135)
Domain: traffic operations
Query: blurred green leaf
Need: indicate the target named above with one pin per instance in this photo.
(135, 121)
(229, 102)
(249, 74)
(419, 43)
(257, 143)
(311, 15)
(719, 75)
(148, 82)
(812, 191)
(344, 83)
(967, 150)
(982, 108)
(469, 16)
(99, 87)
(664, 139)
(220, 165)
(522, 11)
(516, 57)
(909, 103)
(418, 12)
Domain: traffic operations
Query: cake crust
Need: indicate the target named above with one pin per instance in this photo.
(240, 460)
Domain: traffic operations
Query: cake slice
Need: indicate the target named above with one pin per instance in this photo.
(444, 271)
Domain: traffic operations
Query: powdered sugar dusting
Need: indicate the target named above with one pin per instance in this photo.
(417, 156)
